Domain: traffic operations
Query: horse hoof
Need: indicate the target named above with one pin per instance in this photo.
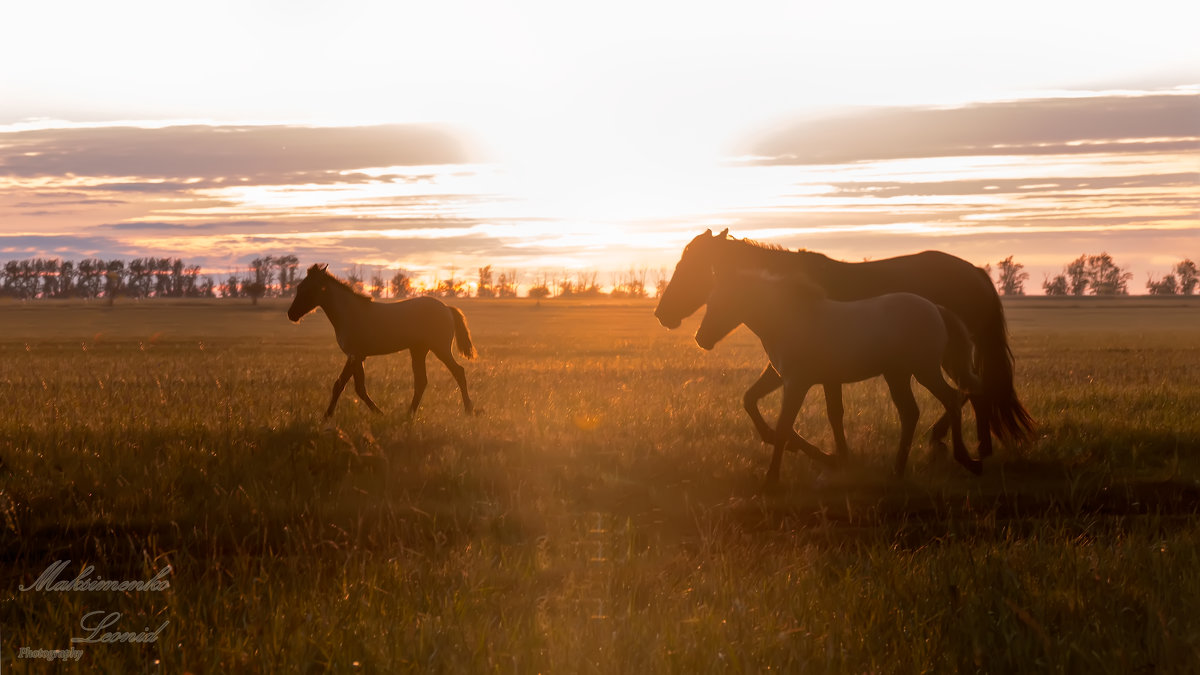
(973, 465)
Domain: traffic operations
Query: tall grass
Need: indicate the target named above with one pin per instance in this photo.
(601, 515)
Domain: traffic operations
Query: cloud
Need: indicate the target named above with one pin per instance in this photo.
(223, 154)
(1089, 125)
(1022, 186)
(68, 246)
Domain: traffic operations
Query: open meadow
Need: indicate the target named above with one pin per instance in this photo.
(603, 512)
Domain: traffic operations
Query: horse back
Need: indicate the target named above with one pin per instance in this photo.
(942, 278)
(387, 327)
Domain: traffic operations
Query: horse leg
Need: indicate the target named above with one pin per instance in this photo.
(360, 386)
(937, 437)
(460, 376)
(793, 398)
(339, 384)
(900, 386)
(766, 383)
(786, 435)
(983, 425)
(420, 377)
(835, 412)
(951, 399)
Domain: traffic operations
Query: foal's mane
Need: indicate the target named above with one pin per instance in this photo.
(345, 285)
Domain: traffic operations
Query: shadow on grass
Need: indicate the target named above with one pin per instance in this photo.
(1082, 484)
(268, 491)
(302, 489)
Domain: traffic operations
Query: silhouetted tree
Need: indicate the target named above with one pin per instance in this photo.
(1165, 286)
(1077, 275)
(377, 284)
(661, 279)
(401, 284)
(506, 287)
(91, 274)
(114, 280)
(354, 277)
(287, 265)
(1188, 276)
(586, 284)
(541, 287)
(231, 287)
(484, 289)
(1012, 278)
(1105, 277)
(1055, 286)
(66, 279)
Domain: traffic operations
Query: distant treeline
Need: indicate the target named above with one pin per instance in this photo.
(1096, 275)
(277, 276)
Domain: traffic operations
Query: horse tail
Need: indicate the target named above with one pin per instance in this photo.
(462, 335)
(1011, 421)
(959, 357)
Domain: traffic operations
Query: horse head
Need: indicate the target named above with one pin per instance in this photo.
(309, 292)
(692, 280)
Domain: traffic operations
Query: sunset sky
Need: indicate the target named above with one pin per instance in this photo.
(545, 135)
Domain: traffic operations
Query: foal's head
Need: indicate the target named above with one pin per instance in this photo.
(309, 292)
(726, 306)
(692, 281)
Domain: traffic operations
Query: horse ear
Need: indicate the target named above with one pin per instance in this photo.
(724, 233)
(708, 232)
(325, 267)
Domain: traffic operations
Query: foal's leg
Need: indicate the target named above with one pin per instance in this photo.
(420, 377)
(952, 401)
(836, 413)
(339, 384)
(793, 398)
(786, 435)
(766, 383)
(900, 386)
(460, 375)
(360, 386)
(937, 435)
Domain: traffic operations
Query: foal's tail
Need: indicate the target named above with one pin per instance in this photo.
(960, 353)
(462, 335)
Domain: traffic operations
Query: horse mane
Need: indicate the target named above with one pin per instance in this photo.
(747, 252)
(344, 284)
(762, 244)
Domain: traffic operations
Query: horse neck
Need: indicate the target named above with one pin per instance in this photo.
(772, 317)
(338, 303)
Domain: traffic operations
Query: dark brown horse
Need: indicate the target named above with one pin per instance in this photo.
(939, 277)
(367, 328)
(811, 340)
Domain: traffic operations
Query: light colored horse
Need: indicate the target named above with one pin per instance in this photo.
(939, 277)
(367, 328)
(812, 340)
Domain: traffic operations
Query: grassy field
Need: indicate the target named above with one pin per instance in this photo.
(601, 515)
